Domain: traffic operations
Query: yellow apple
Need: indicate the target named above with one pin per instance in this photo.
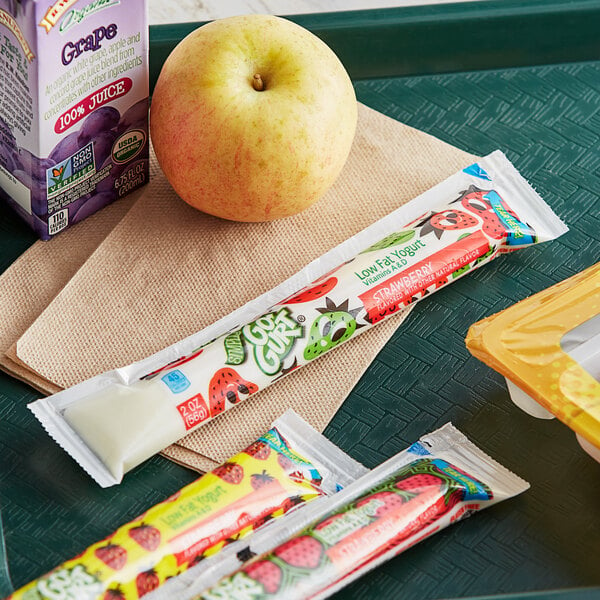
(252, 118)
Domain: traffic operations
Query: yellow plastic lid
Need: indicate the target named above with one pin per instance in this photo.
(548, 346)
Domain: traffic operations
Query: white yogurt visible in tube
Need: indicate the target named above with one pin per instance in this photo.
(144, 412)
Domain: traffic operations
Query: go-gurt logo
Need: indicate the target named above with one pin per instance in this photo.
(239, 585)
(68, 584)
(272, 336)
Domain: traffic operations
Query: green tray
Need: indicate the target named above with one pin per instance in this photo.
(520, 76)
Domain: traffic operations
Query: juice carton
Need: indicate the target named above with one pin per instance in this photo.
(73, 107)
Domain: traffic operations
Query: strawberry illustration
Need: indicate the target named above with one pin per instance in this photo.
(438, 493)
(332, 327)
(112, 555)
(304, 552)
(260, 521)
(388, 501)
(492, 227)
(259, 450)
(147, 536)
(473, 199)
(452, 219)
(291, 502)
(482, 258)
(268, 574)
(287, 464)
(442, 281)
(113, 594)
(226, 385)
(313, 292)
(197, 559)
(448, 220)
(146, 582)
(258, 480)
(476, 202)
(230, 472)
(418, 482)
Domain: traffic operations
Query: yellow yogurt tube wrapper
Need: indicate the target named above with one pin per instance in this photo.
(115, 421)
(286, 468)
(547, 347)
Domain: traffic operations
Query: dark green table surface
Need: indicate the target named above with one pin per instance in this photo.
(523, 77)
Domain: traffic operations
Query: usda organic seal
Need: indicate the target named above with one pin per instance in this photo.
(128, 145)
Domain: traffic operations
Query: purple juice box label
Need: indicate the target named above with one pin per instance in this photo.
(73, 107)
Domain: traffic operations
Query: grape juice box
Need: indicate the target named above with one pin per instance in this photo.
(73, 107)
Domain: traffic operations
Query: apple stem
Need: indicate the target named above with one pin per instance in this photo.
(257, 83)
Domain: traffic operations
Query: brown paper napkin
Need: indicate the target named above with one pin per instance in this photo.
(38, 275)
(166, 271)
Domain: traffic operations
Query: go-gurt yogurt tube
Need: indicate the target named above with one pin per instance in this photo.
(115, 421)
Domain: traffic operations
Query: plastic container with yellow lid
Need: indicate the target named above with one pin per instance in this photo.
(548, 348)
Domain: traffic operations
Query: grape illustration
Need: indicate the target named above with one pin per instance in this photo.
(100, 128)
(100, 121)
(65, 148)
(76, 205)
(108, 183)
(103, 146)
(134, 117)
